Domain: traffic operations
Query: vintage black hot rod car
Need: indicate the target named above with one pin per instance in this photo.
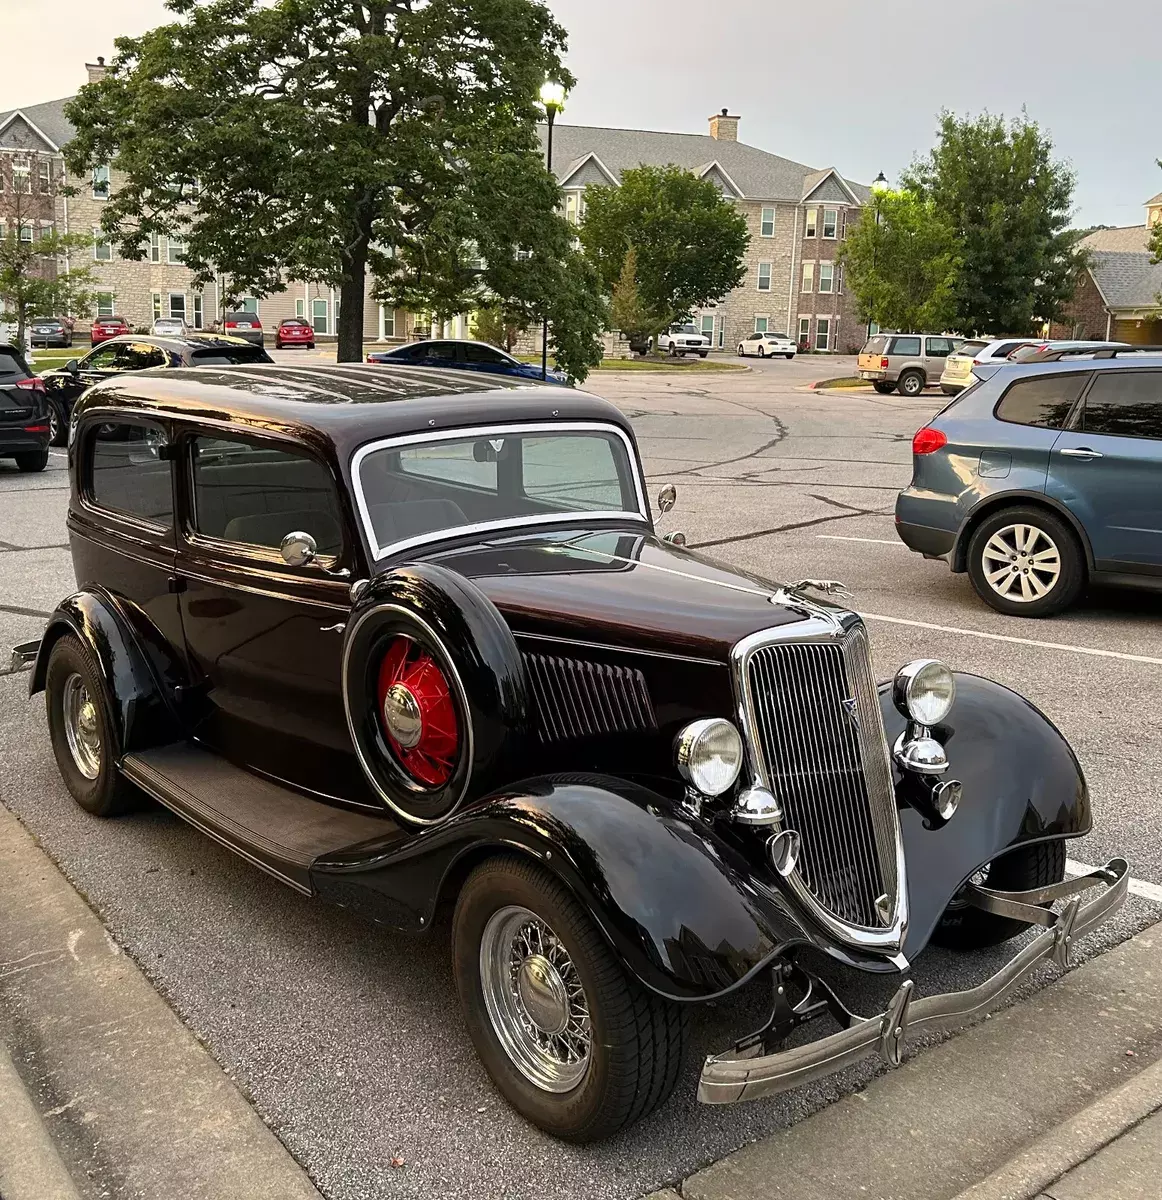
(408, 640)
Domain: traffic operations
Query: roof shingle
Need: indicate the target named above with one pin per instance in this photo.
(49, 118)
(1127, 280)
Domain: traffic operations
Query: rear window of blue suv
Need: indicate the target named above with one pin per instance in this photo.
(1045, 402)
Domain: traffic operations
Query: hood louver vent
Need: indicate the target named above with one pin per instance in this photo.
(578, 699)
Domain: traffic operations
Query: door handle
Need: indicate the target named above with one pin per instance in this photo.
(342, 625)
(1082, 452)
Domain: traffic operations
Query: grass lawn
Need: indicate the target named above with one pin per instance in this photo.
(45, 360)
(654, 363)
(838, 384)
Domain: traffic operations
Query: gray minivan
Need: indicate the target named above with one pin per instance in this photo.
(905, 362)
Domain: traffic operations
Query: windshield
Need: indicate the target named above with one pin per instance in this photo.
(968, 349)
(414, 490)
(685, 329)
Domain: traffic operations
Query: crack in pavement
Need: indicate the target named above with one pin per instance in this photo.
(744, 537)
(9, 548)
(17, 611)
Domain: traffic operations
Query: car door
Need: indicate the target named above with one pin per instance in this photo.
(442, 354)
(936, 352)
(66, 386)
(1106, 468)
(264, 638)
(480, 357)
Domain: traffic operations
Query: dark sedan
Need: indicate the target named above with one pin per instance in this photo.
(466, 355)
(136, 353)
(50, 331)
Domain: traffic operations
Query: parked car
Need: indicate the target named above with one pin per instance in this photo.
(244, 325)
(137, 353)
(104, 328)
(170, 327)
(958, 366)
(50, 331)
(683, 340)
(905, 362)
(294, 331)
(24, 428)
(763, 344)
(409, 641)
(464, 355)
(1052, 351)
(1041, 478)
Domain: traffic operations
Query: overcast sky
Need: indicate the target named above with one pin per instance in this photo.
(853, 84)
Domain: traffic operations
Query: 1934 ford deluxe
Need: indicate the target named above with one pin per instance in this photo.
(409, 641)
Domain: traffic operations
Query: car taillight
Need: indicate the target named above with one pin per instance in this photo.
(36, 429)
(977, 361)
(35, 385)
(884, 364)
(928, 440)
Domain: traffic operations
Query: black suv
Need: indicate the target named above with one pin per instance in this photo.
(24, 422)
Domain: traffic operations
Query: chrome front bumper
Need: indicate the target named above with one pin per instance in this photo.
(727, 1078)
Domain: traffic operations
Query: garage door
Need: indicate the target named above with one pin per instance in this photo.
(1138, 333)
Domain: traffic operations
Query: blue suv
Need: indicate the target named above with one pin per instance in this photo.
(1040, 478)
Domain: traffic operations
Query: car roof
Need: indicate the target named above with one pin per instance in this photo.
(446, 341)
(180, 341)
(1008, 371)
(346, 405)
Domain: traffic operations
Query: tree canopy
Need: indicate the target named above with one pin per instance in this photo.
(1154, 242)
(901, 260)
(1009, 202)
(628, 311)
(688, 240)
(317, 139)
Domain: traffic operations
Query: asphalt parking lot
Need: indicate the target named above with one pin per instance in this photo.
(348, 1039)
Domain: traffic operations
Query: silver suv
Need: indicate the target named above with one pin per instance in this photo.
(905, 362)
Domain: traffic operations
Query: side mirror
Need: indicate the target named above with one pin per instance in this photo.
(298, 549)
(71, 366)
(667, 498)
(677, 538)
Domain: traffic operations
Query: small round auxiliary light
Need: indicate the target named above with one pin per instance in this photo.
(709, 755)
(924, 690)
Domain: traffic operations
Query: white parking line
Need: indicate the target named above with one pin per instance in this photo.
(1020, 641)
(1138, 887)
(838, 537)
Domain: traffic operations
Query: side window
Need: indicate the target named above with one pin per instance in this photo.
(1125, 404)
(442, 351)
(1044, 402)
(100, 360)
(909, 346)
(939, 347)
(139, 356)
(126, 473)
(479, 353)
(257, 494)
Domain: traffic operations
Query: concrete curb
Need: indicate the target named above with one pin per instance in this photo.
(30, 1168)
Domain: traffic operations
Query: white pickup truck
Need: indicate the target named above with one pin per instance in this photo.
(683, 340)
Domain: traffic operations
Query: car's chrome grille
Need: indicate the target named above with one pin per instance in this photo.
(820, 732)
(576, 698)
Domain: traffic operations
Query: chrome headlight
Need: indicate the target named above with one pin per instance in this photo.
(709, 754)
(924, 690)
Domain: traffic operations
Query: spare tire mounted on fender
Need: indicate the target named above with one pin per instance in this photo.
(435, 691)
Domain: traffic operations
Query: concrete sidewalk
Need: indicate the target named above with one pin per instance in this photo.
(103, 1090)
(1057, 1097)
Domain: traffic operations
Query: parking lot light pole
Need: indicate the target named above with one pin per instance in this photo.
(878, 185)
(553, 102)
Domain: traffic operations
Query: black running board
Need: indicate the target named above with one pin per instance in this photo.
(279, 830)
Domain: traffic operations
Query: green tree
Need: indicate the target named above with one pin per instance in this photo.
(689, 240)
(1154, 242)
(1009, 202)
(490, 324)
(901, 262)
(628, 311)
(318, 139)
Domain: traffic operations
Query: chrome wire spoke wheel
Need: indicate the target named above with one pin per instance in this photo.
(82, 727)
(535, 999)
(1022, 563)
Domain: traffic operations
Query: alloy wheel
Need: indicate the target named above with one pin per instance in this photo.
(535, 999)
(82, 727)
(1021, 563)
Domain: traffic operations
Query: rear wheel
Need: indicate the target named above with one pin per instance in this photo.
(32, 460)
(789, 357)
(574, 1045)
(1026, 562)
(911, 383)
(884, 389)
(964, 927)
(762, 352)
(58, 424)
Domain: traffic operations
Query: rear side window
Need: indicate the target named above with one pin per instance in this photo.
(970, 348)
(906, 345)
(11, 365)
(256, 494)
(1006, 348)
(485, 355)
(940, 347)
(228, 356)
(875, 345)
(1045, 402)
(139, 356)
(1125, 404)
(127, 474)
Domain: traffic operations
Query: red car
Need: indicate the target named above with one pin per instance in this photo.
(294, 331)
(104, 328)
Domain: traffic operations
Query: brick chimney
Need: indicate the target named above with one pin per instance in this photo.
(724, 127)
(96, 70)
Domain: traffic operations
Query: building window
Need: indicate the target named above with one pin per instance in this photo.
(25, 234)
(767, 228)
(319, 316)
(388, 321)
(44, 179)
(830, 223)
(300, 307)
(804, 331)
(574, 207)
(101, 182)
(764, 277)
(826, 277)
(843, 224)
(250, 305)
(175, 251)
(761, 324)
(197, 310)
(808, 277)
(155, 247)
(102, 247)
(708, 328)
(812, 222)
(177, 305)
(839, 278)
(157, 306)
(104, 304)
(21, 177)
(823, 333)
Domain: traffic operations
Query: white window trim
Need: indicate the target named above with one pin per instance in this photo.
(199, 313)
(830, 334)
(169, 304)
(155, 254)
(325, 331)
(100, 240)
(830, 237)
(807, 278)
(811, 223)
(155, 306)
(804, 335)
(830, 289)
(762, 317)
(770, 276)
(762, 221)
(169, 248)
(104, 183)
(112, 304)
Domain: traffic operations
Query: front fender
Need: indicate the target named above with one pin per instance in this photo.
(680, 908)
(1022, 784)
(138, 702)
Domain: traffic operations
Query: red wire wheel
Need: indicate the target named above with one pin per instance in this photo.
(417, 712)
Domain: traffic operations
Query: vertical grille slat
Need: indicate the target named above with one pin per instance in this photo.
(817, 719)
(575, 698)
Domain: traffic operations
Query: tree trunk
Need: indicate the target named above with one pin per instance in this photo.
(351, 303)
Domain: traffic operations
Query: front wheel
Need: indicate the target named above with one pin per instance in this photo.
(673, 350)
(762, 352)
(572, 1043)
(703, 353)
(1026, 562)
(789, 357)
(32, 460)
(741, 352)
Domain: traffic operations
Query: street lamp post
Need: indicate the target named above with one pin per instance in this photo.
(553, 102)
(878, 185)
